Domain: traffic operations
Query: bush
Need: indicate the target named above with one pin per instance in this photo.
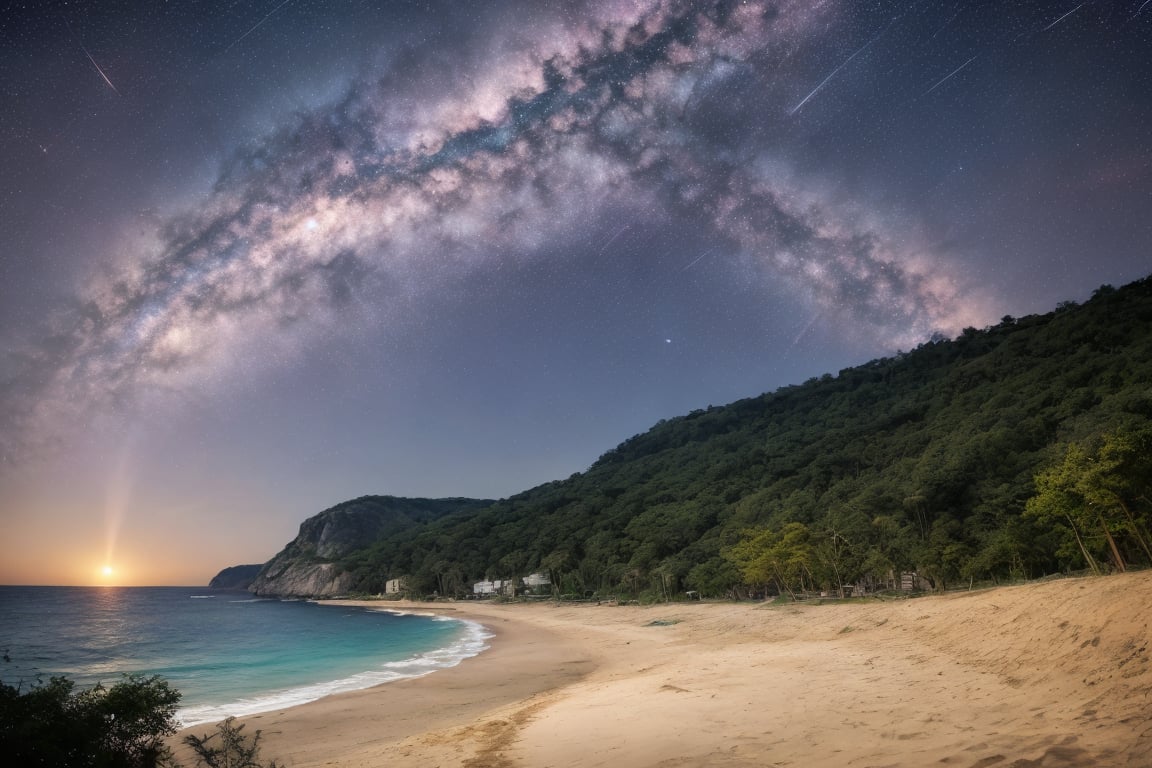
(52, 724)
(232, 750)
(55, 726)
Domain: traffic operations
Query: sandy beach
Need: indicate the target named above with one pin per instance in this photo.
(1051, 674)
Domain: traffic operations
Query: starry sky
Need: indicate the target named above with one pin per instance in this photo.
(261, 257)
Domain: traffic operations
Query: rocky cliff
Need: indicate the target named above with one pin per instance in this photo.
(309, 567)
(236, 577)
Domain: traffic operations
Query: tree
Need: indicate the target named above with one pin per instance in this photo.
(53, 724)
(922, 461)
(766, 556)
(714, 578)
(1118, 477)
(1102, 485)
(232, 748)
(556, 566)
(840, 546)
(1057, 504)
(943, 556)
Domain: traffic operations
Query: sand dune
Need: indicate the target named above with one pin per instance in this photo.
(1053, 674)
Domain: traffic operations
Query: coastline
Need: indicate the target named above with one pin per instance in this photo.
(1049, 674)
(472, 641)
(354, 728)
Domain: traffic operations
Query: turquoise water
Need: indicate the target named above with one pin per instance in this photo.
(227, 652)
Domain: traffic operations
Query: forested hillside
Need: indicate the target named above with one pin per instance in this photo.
(926, 461)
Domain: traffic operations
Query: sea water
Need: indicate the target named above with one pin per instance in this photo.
(227, 652)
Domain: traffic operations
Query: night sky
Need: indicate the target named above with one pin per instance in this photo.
(261, 257)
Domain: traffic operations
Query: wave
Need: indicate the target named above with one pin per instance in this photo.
(413, 612)
(472, 642)
(254, 600)
(201, 597)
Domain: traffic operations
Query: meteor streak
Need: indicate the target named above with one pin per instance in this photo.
(846, 62)
(948, 76)
(98, 68)
(73, 33)
(697, 260)
(257, 25)
(612, 239)
(1069, 14)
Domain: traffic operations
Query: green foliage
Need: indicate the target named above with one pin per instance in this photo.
(53, 724)
(924, 461)
(715, 576)
(784, 558)
(56, 726)
(1097, 496)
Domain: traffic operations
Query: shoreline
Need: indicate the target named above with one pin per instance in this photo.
(1054, 674)
(521, 663)
(473, 640)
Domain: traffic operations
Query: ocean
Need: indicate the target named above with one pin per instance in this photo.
(227, 652)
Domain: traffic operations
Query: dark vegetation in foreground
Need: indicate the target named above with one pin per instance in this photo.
(122, 726)
(1011, 452)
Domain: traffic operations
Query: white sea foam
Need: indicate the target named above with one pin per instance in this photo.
(472, 642)
(201, 597)
(402, 612)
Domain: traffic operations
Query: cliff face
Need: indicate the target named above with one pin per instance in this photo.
(305, 567)
(235, 577)
(291, 578)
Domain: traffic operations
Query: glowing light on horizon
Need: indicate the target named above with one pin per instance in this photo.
(116, 504)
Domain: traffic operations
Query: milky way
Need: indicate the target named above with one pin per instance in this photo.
(363, 191)
(290, 177)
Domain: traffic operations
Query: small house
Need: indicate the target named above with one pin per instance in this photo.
(536, 580)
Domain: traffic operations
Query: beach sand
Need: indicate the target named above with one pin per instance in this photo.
(1052, 674)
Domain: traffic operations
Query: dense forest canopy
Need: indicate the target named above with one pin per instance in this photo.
(1014, 451)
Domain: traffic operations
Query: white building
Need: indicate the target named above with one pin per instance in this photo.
(493, 587)
(536, 580)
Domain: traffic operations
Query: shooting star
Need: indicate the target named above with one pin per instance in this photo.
(948, 76)
(1067, 15)
(611, 240)
(1138, 10)
(944, 26)
(73, 33)
(824, 82)
(256, 25)
(847, 61)
(800, 335)
(699, 258)
(68, 24)
(98, 69)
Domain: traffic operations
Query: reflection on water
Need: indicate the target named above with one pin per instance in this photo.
(106, 625)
